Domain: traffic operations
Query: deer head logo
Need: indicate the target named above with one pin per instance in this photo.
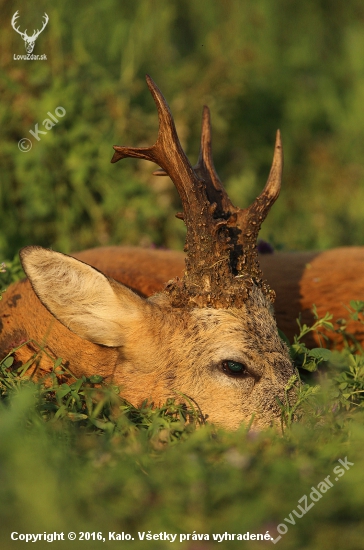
(29, 40)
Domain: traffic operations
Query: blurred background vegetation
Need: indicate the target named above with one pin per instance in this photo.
(262, 65)
(259, 65)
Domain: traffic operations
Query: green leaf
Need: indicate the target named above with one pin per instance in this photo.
(320, 353)
(76, 417)
(62, 391)
(76, 385)
(357, 305)
(95, 379)
(8, 362)
(102, 424)
(311, 366)
(327, 325)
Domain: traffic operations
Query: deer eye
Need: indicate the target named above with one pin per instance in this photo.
(233, 368)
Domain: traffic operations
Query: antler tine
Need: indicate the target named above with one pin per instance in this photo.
(166, 152)
(14, 20)
(205, 165)
(205, 157)
(159, 172)
(206, 169)
(249, 220)
(46, 19)
(272, 188)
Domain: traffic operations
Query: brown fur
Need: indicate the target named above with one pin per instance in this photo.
(152, 349)
(211, 335)
(328, 279)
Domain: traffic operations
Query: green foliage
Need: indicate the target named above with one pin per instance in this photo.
(77, 457)
(309, 359)
(345, 385)
(259, 65)
(293, 407)
(93, 405)
(10, 272)
(355, 310)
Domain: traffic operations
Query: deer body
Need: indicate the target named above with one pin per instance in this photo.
(210, 335)
(300, 280)
(328, 279)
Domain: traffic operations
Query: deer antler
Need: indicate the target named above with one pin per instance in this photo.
(222, 262)
(37, 33)
(13, 21)
(24, 34)
(247, 222)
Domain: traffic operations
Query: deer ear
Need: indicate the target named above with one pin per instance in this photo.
(81, 298)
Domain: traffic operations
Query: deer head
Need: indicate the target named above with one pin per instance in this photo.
(222, 262)
(29, 40)
(210, 335)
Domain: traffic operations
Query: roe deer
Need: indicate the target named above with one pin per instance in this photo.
(210, 335)
(300, 279)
